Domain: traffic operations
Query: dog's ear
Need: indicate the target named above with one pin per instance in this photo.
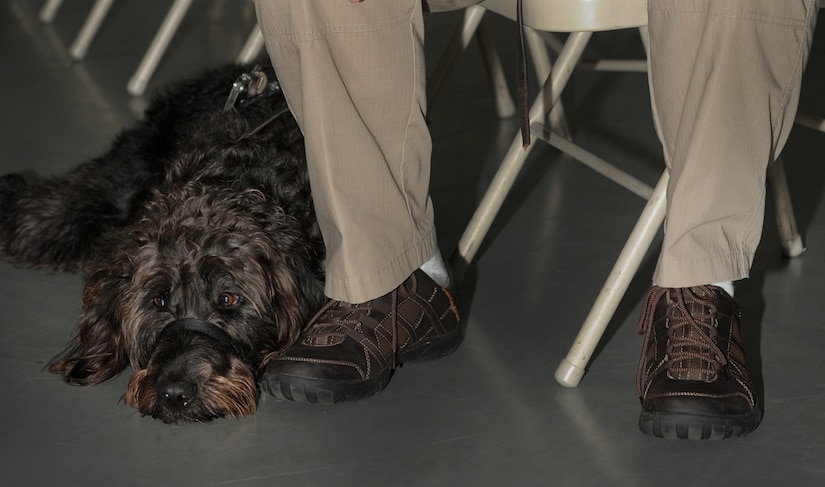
(299, 294)
(96, 352)
(311, 284)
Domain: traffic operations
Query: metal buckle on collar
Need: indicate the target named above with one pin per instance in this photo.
(251, 84)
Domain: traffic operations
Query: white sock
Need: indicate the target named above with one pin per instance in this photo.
(726, 285)
(436, 269)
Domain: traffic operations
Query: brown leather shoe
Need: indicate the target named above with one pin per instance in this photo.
(349, 351)
(693, 381)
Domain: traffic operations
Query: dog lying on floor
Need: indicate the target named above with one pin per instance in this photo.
(198, 241)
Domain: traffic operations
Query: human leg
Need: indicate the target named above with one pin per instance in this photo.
(725, 77)
(353, 74)
(354, 81)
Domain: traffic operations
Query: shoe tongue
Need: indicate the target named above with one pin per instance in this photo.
(692, 357)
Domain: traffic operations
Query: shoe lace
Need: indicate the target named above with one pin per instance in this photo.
(350, 318)
(689, 336)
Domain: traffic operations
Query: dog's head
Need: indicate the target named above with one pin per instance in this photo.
(193, 296)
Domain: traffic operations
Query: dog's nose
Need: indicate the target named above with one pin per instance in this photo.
(177, 395)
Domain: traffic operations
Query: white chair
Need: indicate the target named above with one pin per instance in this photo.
(89, 29)
(146, 68)
(49, 10)
(580, 18)
(813, 122)
(148, 64)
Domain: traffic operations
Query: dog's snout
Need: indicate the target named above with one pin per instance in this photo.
(177, 395)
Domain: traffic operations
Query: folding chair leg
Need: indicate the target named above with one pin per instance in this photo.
(505, 106)
(457, 44)
(253, 46)
(472, 25)
(543, 66)
(89, 30)
(510, 167)
(538, 53)
(572, 367)
(789, 238)
(137, 84)
(49, 10)
(815, 123)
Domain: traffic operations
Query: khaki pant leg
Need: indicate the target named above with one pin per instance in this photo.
(446, 5)
(724, 78)
(353, 75)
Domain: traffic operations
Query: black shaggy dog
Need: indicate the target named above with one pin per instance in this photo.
(198, 241)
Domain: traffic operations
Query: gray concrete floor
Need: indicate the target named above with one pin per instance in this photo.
(491, 414)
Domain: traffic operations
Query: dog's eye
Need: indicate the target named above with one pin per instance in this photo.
(159, 301)
(228, 299)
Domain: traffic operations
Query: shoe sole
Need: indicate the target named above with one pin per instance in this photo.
(303, 389)
(674, 426)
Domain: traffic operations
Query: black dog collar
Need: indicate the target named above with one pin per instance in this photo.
(205, 328)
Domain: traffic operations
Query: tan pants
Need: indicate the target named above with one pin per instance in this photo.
(724, 78)
(354, 77)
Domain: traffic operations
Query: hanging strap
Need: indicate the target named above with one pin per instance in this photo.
(523, 87)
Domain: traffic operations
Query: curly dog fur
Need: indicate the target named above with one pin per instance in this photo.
(193, 214)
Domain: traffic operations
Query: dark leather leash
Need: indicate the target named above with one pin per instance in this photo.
(523, 86)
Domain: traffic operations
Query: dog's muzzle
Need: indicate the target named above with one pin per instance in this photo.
(205, 328)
